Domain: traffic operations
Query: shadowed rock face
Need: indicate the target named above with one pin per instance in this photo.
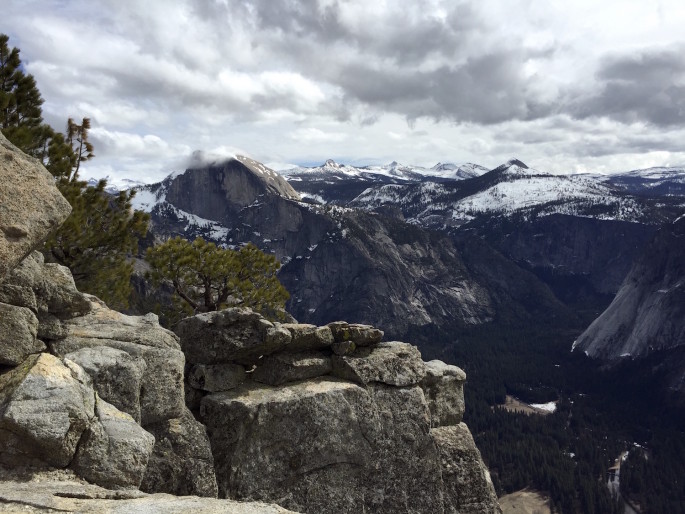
(31, 207)
(592, 253)
(220, 191)
(648, 313)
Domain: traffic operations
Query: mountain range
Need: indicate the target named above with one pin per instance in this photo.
(428, 253)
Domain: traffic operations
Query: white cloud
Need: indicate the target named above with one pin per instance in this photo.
(302, 81)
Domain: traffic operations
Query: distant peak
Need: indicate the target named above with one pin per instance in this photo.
(330, 163)
(516, 162)
(445, 166)
(394, 164)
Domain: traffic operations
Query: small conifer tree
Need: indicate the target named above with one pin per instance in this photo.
(208, 278)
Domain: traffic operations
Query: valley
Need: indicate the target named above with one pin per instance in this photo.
(497, 271)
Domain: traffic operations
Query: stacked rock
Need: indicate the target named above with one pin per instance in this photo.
(330, 419)
(93, 389)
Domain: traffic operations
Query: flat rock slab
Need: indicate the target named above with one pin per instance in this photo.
(279, 368)
(104, 323)
(392, 363)
(231, 335)
(50, 495)
(31, 206)
(360, 335)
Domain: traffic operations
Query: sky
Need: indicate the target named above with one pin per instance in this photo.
(581, 86)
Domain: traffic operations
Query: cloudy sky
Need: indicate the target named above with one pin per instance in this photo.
(564, 86)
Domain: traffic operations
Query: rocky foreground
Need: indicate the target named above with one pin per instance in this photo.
(97, 408)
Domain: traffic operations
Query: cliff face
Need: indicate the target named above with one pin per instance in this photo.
(321, 419)
(330, 419)
(351, 264)
(648, 313)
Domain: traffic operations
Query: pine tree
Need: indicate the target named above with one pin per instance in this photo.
(97, 239)
(208, 278)
(20, 104)
(95, 242)
(102, 231)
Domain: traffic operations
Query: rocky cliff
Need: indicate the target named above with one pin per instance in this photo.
(318, 419)
(647, 315)
(351, 264)
(331, 419)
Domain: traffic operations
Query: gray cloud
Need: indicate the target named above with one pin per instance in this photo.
(305, 79)
(488, 89)
(648, 86)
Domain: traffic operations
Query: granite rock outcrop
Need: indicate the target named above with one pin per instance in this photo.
(31, 207)
(314, 419)
(316, 429)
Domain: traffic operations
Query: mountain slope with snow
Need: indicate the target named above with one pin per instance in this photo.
(661, 181)
(340, 183)
(512, 188)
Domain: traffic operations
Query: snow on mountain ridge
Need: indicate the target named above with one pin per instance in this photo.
(532, 191)
(393, 169)
(508, 189)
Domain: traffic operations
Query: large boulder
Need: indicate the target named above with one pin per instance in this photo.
(360, 335)
(161, 385)
(31, 206)
(117, 376)
(44, 288)
(229, 335)
(45, 406)
(18, 334)
(114, 451)
(443, 387)
(310, 444)
(181, 462)
(325, 445)
(308, 337)
(468, 488)
(392, 363)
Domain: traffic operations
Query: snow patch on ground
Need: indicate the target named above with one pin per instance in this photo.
(547, 407)
(145, 200)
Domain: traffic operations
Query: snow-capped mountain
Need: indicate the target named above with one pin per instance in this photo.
(512, 188)
(393, 170)
(337, 262)
(458, 171)
(337, 183)
(661, 181)
(114, 185)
